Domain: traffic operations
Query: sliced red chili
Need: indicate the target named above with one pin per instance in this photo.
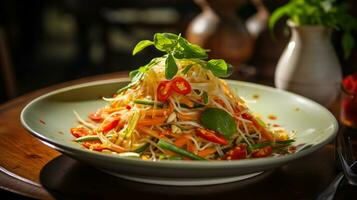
(164, 90)
(238, 152)
(110, 125)
(181, 86)
(211, 136)
(79, 132)
(262, 152)
(247, 116)
(96, 117)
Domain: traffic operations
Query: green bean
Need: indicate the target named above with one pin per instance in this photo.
(142, 148)
(148, 102)
(168, 146)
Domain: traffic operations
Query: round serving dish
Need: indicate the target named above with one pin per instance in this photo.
(50, 117)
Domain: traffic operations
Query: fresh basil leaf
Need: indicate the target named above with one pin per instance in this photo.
(277, 15)
(170, 67)
(186, 49)
(218, 67)
(165, 41)
(219, 120)
(142, 45)
(187, 68)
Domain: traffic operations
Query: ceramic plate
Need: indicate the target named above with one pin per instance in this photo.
(50, 117)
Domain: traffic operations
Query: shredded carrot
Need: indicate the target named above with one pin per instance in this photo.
(149, 131)
(181, 141)
(152, 121)
(207, 152)
(185, 100)
(191, 147)
(265, 133)
(156, 112)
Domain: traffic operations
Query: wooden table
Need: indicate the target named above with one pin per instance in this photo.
(30, 168)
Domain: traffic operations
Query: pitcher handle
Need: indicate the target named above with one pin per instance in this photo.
(258, 22)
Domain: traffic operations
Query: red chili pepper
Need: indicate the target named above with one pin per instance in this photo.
(79, 132)
(128, 107)
(350, 84)
(110, 125)
(238, 152)
(95, 117)
(262, 152)
(164, 90)
(211, 136)
(181, 86)
(247, 116)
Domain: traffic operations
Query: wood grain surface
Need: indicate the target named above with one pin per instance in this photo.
(22, 156)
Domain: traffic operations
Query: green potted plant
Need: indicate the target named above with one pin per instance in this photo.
(309, 65)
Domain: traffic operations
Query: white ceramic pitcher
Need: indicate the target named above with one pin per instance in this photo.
(309, 65)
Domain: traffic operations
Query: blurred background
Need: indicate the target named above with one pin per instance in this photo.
(44, 42)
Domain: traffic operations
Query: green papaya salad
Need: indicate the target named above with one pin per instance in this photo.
(177, 107)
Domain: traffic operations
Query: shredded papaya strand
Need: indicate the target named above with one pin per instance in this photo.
(115, 148)
(206, 152)
(111, 110)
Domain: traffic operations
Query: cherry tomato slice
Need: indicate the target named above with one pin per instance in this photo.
(110, 125)
(96, 117)
(211, 136)
(238, 152)
(181, 86)
(164, 91)
(79, 132)
(262, 152)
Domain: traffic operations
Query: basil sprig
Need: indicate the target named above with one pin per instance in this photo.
(219, 120)
(177, 47)
(328, 13)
